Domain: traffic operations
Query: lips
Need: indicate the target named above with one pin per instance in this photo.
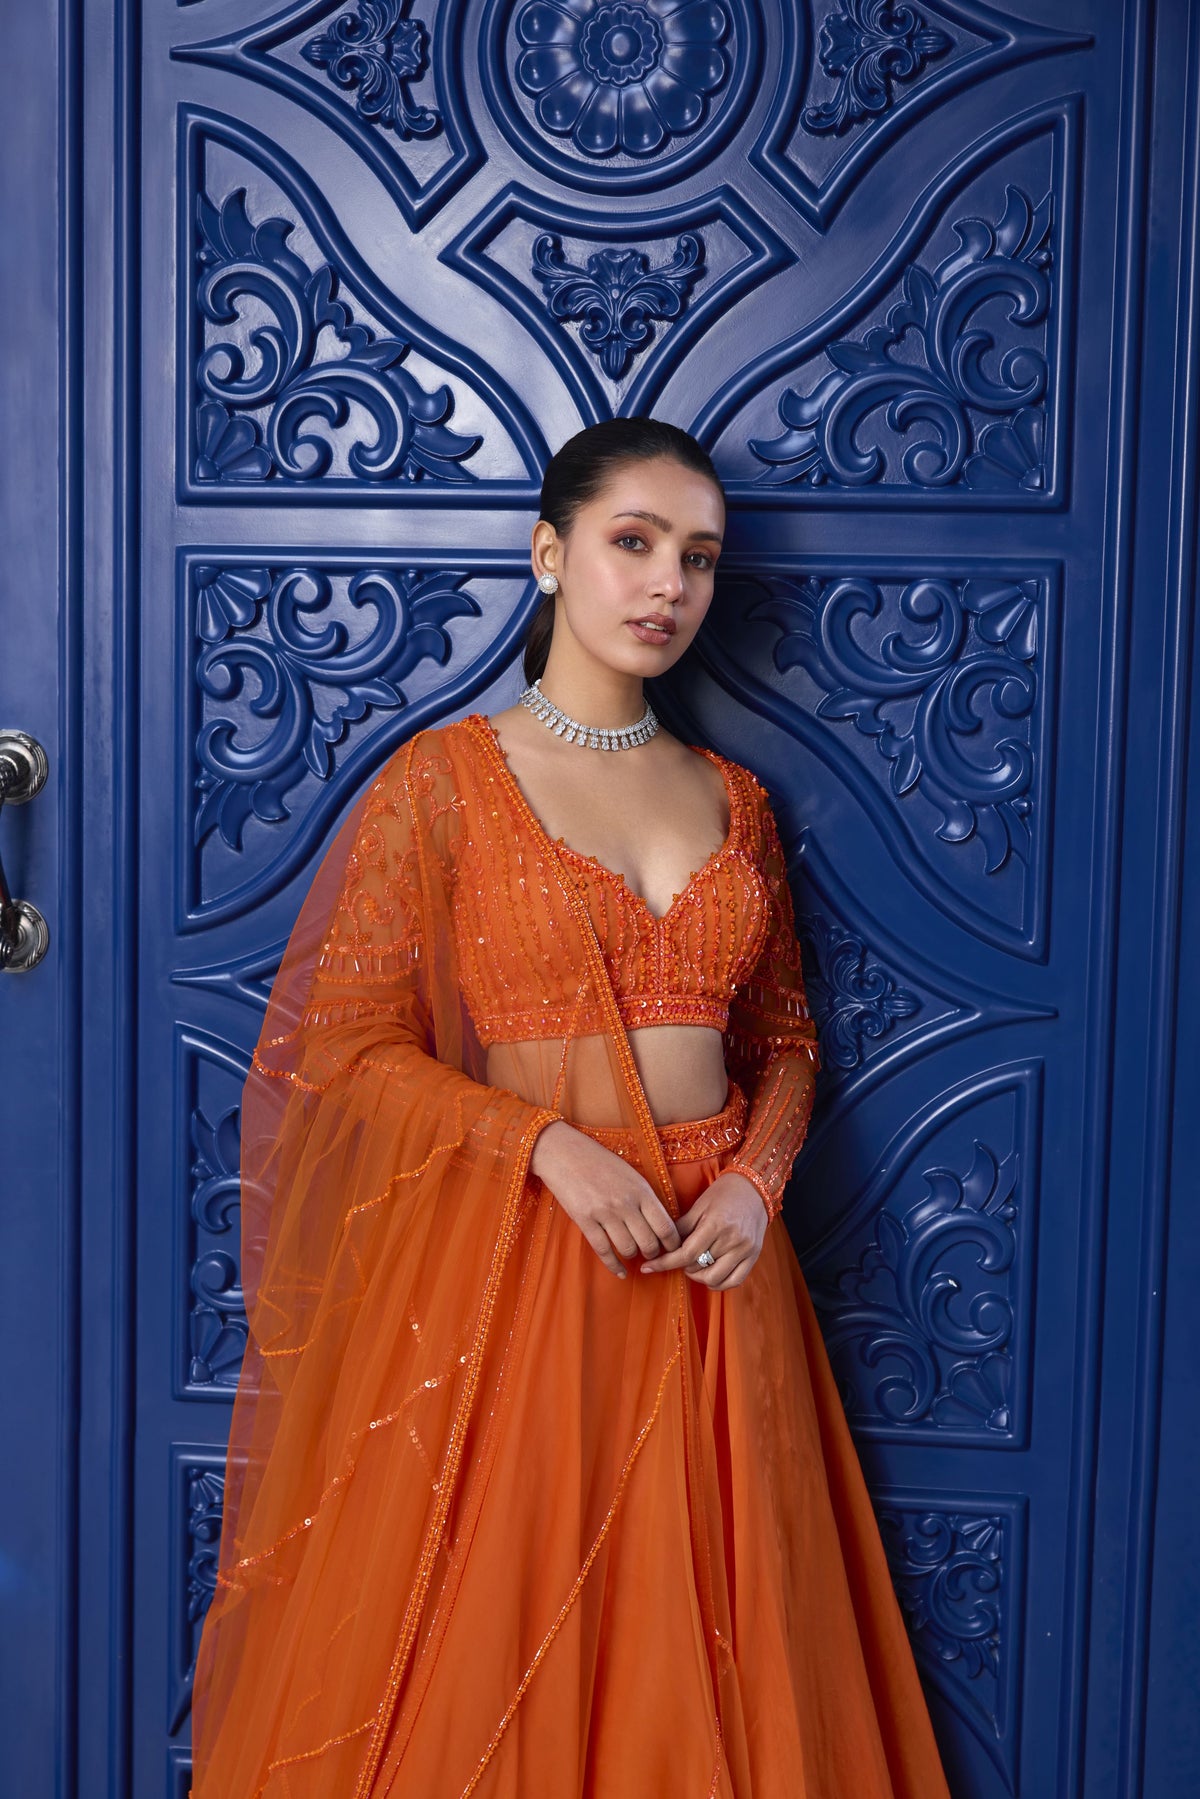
(660, 622)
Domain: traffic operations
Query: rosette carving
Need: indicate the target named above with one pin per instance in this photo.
(624, 75)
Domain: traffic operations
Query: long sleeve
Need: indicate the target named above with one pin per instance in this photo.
(771, 1040)
(376, 1074)
(369, 1008)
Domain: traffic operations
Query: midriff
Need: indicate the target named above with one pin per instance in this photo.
(682, 1069)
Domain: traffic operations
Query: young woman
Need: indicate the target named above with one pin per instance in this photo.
(539, 1482)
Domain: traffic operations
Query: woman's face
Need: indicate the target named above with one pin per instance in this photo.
(635, 569)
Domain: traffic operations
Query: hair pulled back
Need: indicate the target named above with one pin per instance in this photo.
(576, 474)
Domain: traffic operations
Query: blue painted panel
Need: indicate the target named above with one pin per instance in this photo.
(874, 304)
(917, 278)
(39, 1022)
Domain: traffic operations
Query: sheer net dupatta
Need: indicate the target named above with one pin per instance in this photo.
(391, 1235)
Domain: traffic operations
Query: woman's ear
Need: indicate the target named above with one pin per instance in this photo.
(544, 548)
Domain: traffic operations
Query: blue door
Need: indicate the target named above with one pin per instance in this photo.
(303, 298)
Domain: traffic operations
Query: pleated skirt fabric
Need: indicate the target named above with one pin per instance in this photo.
(675, 1586)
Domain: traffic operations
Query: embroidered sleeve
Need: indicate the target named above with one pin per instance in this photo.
(771, 1040)
(369, 1012)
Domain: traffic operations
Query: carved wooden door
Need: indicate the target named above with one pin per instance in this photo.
(345, 273)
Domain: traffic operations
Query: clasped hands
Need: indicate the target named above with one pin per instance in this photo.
(623, 1218)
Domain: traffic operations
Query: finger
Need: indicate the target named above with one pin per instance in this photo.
(687, 1221)
(665, 1234)
(737, 1277)
(617, 1228)
(643, 1235)
(684, 1256)
(604, 1249)
(720, 1271)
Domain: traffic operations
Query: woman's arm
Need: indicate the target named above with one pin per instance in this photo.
(771, 1041)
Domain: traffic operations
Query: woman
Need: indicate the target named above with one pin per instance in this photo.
(539, 1482)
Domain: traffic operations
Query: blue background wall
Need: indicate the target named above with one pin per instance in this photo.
(296, 302)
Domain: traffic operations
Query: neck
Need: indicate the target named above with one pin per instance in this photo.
(590, 691)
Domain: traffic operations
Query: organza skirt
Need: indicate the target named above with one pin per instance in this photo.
(673, 1584)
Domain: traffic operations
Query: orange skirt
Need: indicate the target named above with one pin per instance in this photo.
(675, 1586)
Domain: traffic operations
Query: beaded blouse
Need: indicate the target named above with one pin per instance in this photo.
(678, 968)
(724, 954)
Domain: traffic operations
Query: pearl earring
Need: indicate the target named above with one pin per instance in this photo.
(548, 583)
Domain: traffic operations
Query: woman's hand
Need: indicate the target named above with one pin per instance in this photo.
(614, 1206)
(729, 1220)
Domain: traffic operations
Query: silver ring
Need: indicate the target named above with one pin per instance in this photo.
(705, 1259)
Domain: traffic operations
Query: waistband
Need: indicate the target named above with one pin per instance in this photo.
(690, 1141)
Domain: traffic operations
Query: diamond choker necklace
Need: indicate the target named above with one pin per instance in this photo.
(593, 737)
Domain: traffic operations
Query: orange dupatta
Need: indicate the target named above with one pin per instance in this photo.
(392, 1237)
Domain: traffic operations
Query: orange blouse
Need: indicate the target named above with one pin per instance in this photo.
(724, 954)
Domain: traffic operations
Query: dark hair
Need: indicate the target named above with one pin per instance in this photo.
(576, 474)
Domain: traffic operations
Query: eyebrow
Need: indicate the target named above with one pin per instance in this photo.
(664, 524)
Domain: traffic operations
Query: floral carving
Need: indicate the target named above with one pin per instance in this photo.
(852, 995)
(277, 369)
(617, 295)
(621, 75)
(205, 1503)
(948, 1569)
(927, 367)
(228, 448)
(217, 1324)
(1011, 456)
(869, 45)
(375, 49)
(930, 1299)
(917, 689)
(282, 630)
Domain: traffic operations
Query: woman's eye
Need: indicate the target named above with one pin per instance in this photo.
(697, 558)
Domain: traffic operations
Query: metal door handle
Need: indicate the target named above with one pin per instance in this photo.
(24, 933)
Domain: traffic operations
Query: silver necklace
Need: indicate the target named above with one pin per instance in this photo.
(593, 737)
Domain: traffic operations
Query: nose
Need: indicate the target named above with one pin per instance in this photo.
(667, 580)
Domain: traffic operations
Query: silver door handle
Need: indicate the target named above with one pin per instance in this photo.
(24, 933)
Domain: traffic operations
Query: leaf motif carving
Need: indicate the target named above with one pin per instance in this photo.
(947, 695)
(870, 45)
(205, 1505)
(617, 295)
(943, 1339)
(261, 388)
(955, 1573)
(932, 365)
(854, 998)
(277, 635)
(377, 52)
(217, 1322)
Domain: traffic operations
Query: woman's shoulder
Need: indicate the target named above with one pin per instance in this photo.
(431, 757)
(452, 738)
(759, 827)
(742, 779)
(446, 745)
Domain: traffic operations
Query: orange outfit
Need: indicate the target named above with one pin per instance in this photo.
(495, 1522)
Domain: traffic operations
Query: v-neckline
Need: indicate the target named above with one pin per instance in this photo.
(559, 844)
